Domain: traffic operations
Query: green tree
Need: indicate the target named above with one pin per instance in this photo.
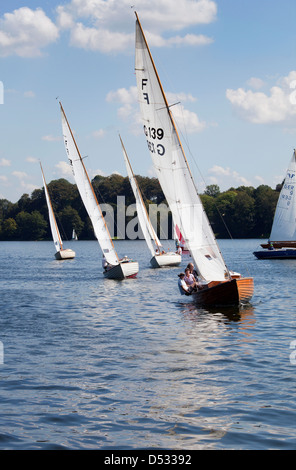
(212, 190)
(265, 204)
(9, 229)
(31, 226)
(68, 218)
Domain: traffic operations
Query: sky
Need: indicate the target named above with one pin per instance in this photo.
(230, 64)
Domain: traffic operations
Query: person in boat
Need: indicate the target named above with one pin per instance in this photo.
(184, 289)
(192, 271)
(270, 247)
(190, 280)
(124, 259)
(104, 263)
(179, 250)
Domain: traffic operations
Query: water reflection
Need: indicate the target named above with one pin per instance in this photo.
(232, 314)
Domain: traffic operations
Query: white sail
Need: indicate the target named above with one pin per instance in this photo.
(145, 223)
(284, 223)
(172, 168)
(87, 194)
(52, 221)
(74, 236)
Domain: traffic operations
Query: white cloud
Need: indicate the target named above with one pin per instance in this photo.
(259, 179)
(255, 83)
(24, 32)
(93, 173)
(97, 25)
(3, 178)
(51, 138)
(64, 170)
(29, 94)
(20, 174)
(5, 162)
(23, 183)
(188, 121)
(260, 108)
(99, 134)
(32, 160)
(226, 177)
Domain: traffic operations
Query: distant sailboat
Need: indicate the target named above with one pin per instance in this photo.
(160, 258)
(115, 268)
(74, 235)
(218, 285)
(282, 240)
(181, 241)
(61, 252)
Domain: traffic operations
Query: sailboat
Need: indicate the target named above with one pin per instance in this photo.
(74, 235)
(61, 252)
(114, 268)
(160, 258)
(282, 240)
(217, 285)
(180, 241)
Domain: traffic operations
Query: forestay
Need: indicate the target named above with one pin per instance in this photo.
(52, 221)
(145, 223)
(87, 194)
(172, 168)
(284, 223)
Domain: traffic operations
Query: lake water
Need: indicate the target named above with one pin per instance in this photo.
(92, 363)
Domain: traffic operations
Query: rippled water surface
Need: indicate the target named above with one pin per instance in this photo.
(92, 363)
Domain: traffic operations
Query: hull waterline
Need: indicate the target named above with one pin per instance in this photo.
(288, 253)
(123, 270)
(65, 254)
(228, 293)
(166, 260)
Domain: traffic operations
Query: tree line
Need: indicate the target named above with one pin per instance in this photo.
(243, 212)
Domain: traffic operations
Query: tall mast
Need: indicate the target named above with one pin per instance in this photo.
(89, 182)
(51, 208)
(140, 194)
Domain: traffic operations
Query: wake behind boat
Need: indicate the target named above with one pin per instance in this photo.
(218, 287)
(282, 241)
(160, 258)
(61, 252)
(115, 268)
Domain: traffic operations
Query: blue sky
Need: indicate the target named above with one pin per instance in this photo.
(230, 64)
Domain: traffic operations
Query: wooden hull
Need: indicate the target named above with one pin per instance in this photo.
(288, 253)
(122, 270)
(65, 254)
(280, 244)
(228, 293)
(166, 260)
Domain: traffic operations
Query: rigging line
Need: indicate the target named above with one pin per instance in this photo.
(185, 138)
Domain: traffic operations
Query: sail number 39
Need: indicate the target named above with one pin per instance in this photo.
(154, 134)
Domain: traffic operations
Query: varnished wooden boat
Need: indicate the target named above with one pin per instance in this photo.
(171, 166)
(279, 244)
(228, 293)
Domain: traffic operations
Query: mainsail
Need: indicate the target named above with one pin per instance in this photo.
(284, 223)
(87, 193)
(145, 223)
(52, 220)
(172, 167)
